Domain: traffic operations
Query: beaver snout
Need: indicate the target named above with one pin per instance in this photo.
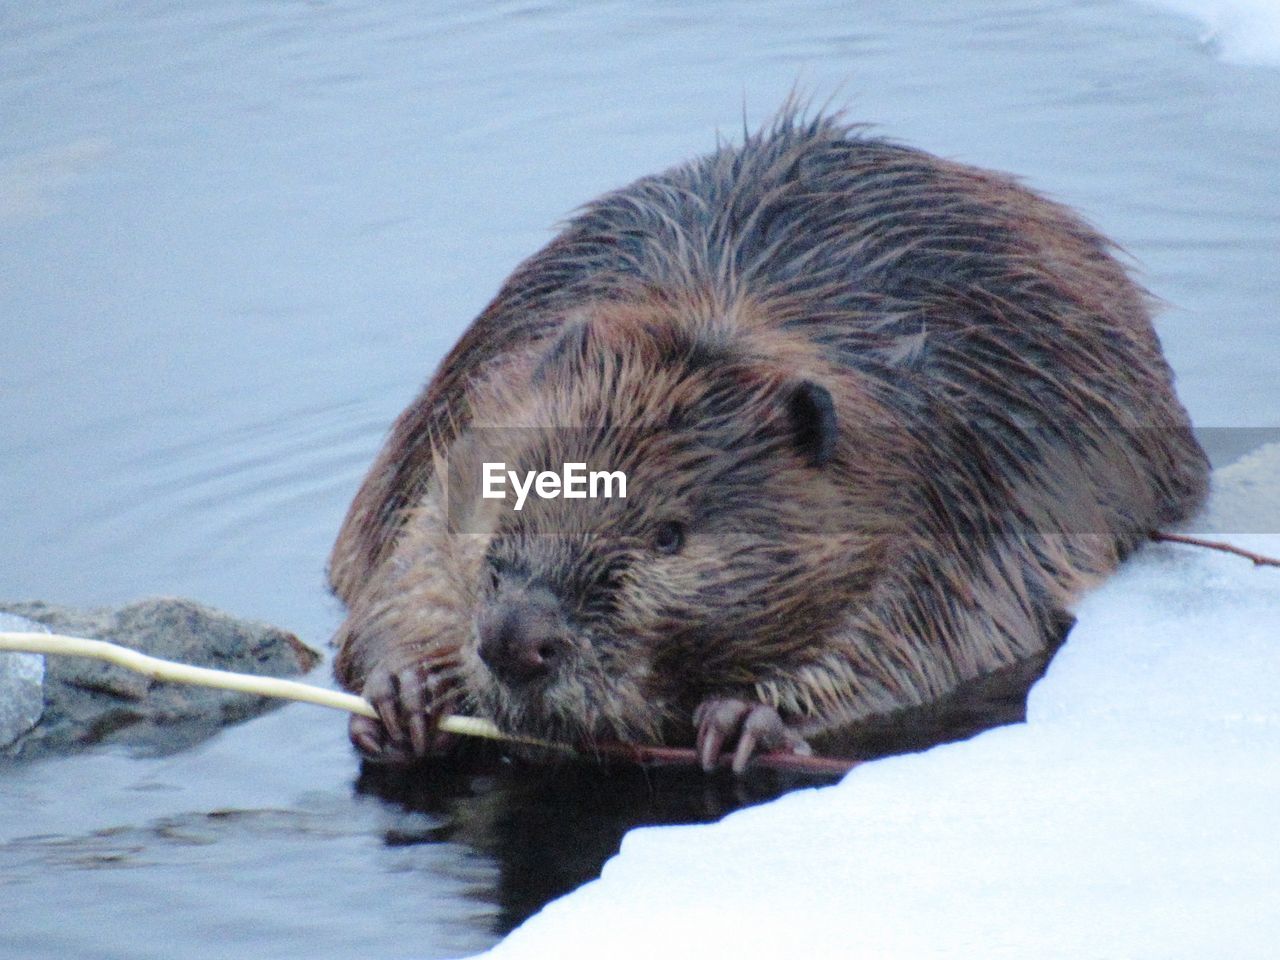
(522, 635)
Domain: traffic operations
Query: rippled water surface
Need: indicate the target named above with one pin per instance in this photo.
(235, 238)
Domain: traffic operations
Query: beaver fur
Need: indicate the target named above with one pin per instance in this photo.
(884, 418)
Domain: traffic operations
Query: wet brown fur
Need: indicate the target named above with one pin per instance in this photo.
(1008, 433)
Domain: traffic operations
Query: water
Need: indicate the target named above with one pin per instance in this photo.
(235, 238)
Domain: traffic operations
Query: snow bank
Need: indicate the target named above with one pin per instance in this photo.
(1245, 31)
(1136, 814)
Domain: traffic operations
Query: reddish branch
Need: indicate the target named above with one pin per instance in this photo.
(1259, 560)
(686, 757)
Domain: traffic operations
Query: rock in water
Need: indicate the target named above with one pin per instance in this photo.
(86, 701)
(21, 683)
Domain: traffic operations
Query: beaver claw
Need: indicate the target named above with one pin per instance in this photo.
(410, 702)
(757, 727)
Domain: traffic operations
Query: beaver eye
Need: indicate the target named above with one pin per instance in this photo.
(669, 537)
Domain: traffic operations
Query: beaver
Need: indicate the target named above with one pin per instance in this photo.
(883, 418)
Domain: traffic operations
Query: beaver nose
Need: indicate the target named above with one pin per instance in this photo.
(521, 642)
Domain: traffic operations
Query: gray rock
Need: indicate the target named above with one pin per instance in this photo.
(21, 683)
(89, 702)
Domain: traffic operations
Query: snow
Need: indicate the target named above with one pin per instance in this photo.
(1243, 31)
(1133, 815)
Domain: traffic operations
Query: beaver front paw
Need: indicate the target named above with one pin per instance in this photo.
(409, 701)
(758, 729)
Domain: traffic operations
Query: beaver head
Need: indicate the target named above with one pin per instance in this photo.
(750, 517)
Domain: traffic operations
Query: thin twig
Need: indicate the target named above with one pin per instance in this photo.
(168, 670)
(646, 755)
(1259, 559)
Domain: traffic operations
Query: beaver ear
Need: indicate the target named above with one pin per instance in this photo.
(813, 420)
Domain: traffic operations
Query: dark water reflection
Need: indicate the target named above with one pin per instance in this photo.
(547, 830)
(235, 237)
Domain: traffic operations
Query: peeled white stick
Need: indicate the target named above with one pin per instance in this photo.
(52, 643)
